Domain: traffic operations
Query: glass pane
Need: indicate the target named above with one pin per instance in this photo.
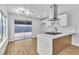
(0, 15)
(0, 27)
(23, 29)
(4, 26)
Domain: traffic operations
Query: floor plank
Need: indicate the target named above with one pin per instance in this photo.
(70, 50)
(22, 47)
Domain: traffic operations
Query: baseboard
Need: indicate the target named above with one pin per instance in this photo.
(76, 45)
(11, 41)
(38, 53)
(19, 40)
(34, 37)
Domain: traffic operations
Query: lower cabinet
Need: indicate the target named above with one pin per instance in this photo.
(61, 43)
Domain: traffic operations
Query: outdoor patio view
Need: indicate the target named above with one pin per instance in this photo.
(23, 29)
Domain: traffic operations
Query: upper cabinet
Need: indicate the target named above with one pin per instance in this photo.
(63, 19)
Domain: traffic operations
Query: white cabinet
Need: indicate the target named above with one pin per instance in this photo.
(63, 19)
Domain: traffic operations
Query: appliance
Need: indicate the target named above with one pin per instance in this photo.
(53, 13)
(53, 23)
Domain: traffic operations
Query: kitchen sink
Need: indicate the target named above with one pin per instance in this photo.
(53, 33)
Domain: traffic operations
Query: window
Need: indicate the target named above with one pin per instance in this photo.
(23, 29)
(2, 26)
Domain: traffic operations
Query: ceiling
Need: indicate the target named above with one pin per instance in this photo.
(41, 10)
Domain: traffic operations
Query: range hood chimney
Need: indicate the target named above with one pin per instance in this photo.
(53, 12)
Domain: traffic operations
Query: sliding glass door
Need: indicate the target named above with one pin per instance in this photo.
(23, 29)
(2, 26)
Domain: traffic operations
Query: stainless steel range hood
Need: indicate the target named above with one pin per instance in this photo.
(53, 13)
(53, 23)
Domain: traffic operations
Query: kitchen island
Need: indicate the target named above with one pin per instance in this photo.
(53, 44)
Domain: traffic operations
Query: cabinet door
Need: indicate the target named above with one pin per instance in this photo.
(63, 19)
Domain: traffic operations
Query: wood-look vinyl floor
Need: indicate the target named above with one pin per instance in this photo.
(70, 50)
(22, 47)
(25, 47)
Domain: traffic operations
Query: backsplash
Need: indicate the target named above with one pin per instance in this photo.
(60, 29)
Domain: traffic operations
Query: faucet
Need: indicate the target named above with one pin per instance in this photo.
(55, 28)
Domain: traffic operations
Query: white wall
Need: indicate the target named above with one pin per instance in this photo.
(36, 25)
(4, 43)
(73, 19)
(10, 27)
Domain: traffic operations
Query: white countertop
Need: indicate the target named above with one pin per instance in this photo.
(63, 33)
